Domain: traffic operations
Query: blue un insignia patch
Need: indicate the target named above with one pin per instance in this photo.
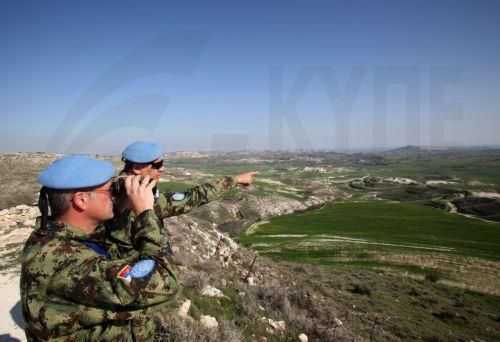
(178, 196)
(142, 268)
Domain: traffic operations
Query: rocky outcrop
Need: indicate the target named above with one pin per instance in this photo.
(321, 196)
(234, 216)
(16, 224)
(253, 208)
(217, 212)
(21, 215)
(247, 207)
(205, 242)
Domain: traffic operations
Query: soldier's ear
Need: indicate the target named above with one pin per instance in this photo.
(81, 199)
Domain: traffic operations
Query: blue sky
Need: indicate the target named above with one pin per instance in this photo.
(94, 76)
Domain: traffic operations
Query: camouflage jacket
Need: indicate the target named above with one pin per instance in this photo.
(72, 291)
(167, 204)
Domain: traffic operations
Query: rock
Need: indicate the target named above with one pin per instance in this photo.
(303, 338)
(241, 294)
(234, 228)
(230, 242)
(278, 326)
(29, 223)
(4, 212)
(253, 207)
(211, 291)
(33, 213)
(224, 282)
(6, 223)
(224, 251)
(16, 217)
(183, 310)
(209, 322)
(338, 322)
(250, 281)
(23, 207)
(14, 211)
(216, 212)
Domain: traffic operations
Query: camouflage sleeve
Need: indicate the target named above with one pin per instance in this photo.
(137, 283)
(147, 236)
(172, 204)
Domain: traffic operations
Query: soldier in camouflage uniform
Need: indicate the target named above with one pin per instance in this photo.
(143, 158)
(75, 287)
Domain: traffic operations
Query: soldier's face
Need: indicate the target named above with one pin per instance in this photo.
(101, 205)
(149, 170)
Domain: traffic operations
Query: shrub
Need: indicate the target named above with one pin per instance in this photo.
(361, 289)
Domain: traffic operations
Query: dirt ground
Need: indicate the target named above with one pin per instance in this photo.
(11, 320)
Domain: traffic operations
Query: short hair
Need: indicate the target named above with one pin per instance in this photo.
(128, 165)
(59, 201)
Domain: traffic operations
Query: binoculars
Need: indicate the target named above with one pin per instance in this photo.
(118, 187)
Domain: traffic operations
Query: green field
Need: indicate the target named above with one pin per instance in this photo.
(355, 228)
(466, 169)
(174, 186)
(219, 168)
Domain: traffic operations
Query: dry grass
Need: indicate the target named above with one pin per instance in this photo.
(170, 327)
(462, 272)
(19, 177)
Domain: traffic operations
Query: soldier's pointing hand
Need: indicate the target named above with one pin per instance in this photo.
(245, 178)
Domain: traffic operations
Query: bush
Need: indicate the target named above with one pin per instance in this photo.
(361, 289)
(432, 277)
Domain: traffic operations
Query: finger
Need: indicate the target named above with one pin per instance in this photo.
(135, 183)
(145, 182)
(151, 185)
(128, 184)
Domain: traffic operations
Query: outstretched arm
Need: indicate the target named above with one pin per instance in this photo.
(172, 204)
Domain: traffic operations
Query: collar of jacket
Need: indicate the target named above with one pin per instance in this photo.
(67, 231)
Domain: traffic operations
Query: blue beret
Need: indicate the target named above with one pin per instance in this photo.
(142, 152)
(75, 172)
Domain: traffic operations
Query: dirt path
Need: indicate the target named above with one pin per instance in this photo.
(11, 320)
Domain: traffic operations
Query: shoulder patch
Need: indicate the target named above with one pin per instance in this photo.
(142, 268)
(124, 274)
(178, 196)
